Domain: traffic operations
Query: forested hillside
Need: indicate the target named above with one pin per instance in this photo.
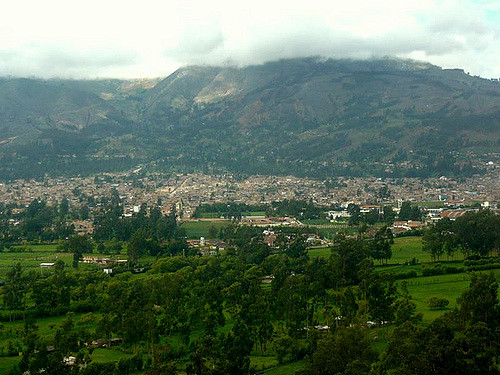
(311, 117)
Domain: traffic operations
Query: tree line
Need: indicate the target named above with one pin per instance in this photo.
(476, 234)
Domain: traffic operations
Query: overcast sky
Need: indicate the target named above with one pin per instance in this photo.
(146, 38)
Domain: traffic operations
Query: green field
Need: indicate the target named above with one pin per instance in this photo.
(31, 256)
(323, 252)
(405, 249)
(7, 363)
(260, 363)
(108, 355)
(445, 286)
(330, 230)
(47, 328)
(197, 229)
(286, 369)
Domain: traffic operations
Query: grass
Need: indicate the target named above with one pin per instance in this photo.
(31, 256)
(444, 286)
(48, 326)
(197, 229)
(323, 252)
(259, 363)
(31, 259)
(102, 355)
(7, 363)
(288, 369)
(406, 248)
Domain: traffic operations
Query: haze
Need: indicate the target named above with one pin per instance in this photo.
(90, 39)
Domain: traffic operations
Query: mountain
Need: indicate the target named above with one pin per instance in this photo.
(309, 116)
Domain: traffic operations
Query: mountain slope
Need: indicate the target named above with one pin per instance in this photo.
(313, 117)
(314, 91)
(305, 115)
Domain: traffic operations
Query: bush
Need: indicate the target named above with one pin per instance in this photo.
(481, 262)
(439, 269)
(483, 267)
(405, 275)
(438, 303)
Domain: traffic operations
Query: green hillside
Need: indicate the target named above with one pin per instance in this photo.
(311, 117)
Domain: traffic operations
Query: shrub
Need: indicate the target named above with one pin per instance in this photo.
(437, 303)
(405, 275)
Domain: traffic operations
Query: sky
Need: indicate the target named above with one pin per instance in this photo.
(149, 38)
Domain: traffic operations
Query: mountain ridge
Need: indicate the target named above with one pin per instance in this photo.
(310, 116)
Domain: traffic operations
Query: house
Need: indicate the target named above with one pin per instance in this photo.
(453, 214)
(454, 204)
(47, 265)
(334, 215)
(267, 279)
(70, 361)
(366, 208)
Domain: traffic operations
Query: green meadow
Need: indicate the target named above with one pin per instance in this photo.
(197, 229)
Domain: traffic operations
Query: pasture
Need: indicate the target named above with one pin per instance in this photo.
(197, 229)
(405, 249)
(30, 257)
(445, 286)
(321, 252)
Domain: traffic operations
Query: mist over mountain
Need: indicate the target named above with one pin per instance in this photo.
(309, 116)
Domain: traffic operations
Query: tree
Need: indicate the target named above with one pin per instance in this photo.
(79, 245)
(409, 212)
(63, 207)
(212, 232)
(347, 351)
(236, 349)
(479, 303)
(438, 303)
(137, 246)
(388, 214)
(350, 252)
(478, 233)
(15, 288)
(464, 341)
(355, 214)
(297, 248)
(404, 307)
(380, 245)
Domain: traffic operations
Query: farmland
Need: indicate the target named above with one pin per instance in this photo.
(407, 255)
(200, 228)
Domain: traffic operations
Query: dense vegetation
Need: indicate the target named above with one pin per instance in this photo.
(255, 120)
(474, 234)
(181, 312)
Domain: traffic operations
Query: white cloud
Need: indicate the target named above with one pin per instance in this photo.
(151, 38)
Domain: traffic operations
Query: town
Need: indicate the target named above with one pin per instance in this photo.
(186, 192)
